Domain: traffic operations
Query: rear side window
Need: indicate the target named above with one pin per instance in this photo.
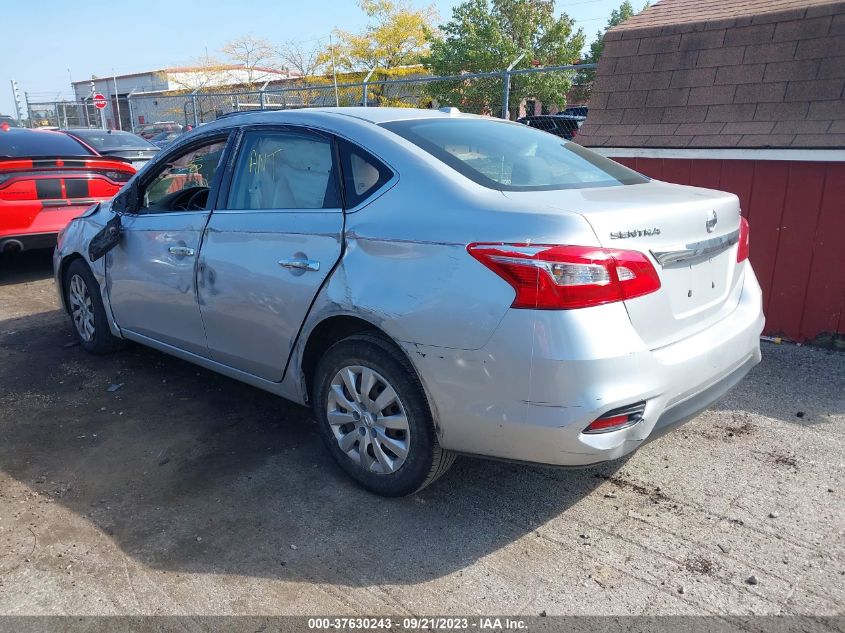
(512, 157)
(19, 142)
(363, 173)
(284, 170)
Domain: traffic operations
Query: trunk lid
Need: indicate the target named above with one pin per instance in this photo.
(690, 236)
(62, 181)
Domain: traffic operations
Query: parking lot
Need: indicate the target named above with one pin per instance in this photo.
(137, 483)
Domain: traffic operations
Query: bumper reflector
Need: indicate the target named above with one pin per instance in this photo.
(617, 419)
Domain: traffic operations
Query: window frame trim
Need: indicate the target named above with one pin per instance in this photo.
(475, 176)
(237, 148)
(377, 193)
(224, 135)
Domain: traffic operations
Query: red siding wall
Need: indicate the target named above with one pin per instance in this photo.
(796, 211)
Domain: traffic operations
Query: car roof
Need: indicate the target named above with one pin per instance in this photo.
(371, 115)
(40, 141)
(94, 129)
(33, 130)
(382, 115)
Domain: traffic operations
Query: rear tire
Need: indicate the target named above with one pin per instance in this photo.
(374, 418)
(86, 310)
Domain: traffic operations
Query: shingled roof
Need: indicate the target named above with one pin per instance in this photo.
(722, 74)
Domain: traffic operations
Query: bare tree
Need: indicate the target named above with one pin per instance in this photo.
(256, 59)
(302, 58)
(202, 74)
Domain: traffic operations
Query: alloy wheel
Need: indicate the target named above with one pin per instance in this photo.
(368, 419)
(81, 308)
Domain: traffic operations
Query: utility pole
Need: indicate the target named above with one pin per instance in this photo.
(116, 100)
(102, 111)
(506, 87)
(334, 72)
(75, 104)
(16, 93)
(28, 109)
(365, 99)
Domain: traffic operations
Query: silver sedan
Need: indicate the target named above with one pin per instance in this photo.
(431, 283)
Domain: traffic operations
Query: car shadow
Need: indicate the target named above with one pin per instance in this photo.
(189, 471)
(16, 268)
(771, 390)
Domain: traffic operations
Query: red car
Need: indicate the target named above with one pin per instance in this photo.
(46, 180)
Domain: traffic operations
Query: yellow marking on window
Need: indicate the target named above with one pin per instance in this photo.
(258, 162)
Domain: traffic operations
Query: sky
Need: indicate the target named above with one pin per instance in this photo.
(43, 50)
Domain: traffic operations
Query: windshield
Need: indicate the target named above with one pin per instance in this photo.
(511, 156)
(105, 140)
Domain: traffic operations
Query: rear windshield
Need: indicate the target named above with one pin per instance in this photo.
(25, 143)
(103, 139)
(511, 156)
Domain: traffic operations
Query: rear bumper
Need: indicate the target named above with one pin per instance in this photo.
(35, 226)
(31, 241)
(691, 407)
(546, 375)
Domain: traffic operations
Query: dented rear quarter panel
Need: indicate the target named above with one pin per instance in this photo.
(406, 270)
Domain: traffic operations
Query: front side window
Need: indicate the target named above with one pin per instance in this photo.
(184, 182)
(284, 170)
(512, 157)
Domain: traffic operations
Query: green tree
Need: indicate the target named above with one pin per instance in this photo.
(617, 17)
(397, 35)
(488, 35)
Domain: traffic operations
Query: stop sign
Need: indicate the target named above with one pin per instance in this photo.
(99, 101)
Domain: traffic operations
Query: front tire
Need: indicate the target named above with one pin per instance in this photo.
(86, 310)
(374, 418)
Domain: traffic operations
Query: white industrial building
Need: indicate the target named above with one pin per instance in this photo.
(163, 83)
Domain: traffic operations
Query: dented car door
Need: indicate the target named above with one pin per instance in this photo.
(269, 246)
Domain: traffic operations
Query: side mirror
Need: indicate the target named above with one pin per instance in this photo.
(105, 240)
(127, 200)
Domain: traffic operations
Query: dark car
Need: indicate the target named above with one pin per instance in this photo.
(149, 130)
(163, 139)
(46, 180)
(8, 121)
(116, 143)
(577, 111)
(562, 125)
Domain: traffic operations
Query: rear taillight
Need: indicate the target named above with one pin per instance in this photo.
(566, 277)
(617, 419)
(118, 176)
(742, 251)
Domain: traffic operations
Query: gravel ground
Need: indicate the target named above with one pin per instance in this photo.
(183, 492)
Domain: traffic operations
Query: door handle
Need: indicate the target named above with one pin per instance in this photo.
(300, 264)
(181, 251)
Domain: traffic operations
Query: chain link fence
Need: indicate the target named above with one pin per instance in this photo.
(491, 93)
(63, 114)
(481, 93)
